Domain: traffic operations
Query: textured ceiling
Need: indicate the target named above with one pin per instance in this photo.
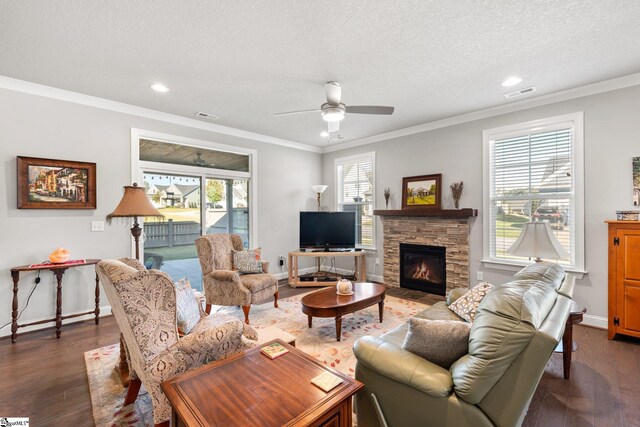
(246, 60)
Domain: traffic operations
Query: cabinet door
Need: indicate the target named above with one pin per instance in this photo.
(628, 282)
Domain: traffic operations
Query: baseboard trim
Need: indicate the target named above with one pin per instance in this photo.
(596, 321)
(104, 311)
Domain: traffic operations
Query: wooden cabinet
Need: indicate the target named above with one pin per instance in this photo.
(624, 278)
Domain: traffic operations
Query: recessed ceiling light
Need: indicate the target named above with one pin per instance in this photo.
(324, 134)
(511, 81)
(159, 87)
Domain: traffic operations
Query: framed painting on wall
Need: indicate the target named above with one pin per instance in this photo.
(55, 184)
(422, 191)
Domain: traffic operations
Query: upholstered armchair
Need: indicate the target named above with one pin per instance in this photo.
(223, 285)
(143, 303)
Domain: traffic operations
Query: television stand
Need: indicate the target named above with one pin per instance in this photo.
(294, 277)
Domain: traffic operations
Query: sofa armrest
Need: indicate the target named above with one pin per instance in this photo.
(403, 366)
(566, 288)
(225, 275)
(455, 293)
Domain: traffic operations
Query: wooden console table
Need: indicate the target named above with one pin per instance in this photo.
(58, 270)
(294, 277)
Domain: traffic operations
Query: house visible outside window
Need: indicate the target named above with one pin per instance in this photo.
(534, 172)
(355, 178)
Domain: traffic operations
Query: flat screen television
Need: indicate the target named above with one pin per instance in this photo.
(327, 230)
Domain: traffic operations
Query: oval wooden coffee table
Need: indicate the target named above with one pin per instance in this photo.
(327, 303)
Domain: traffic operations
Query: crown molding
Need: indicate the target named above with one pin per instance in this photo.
(565, 95)
(120, 107)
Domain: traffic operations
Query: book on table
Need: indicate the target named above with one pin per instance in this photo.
(274, 350)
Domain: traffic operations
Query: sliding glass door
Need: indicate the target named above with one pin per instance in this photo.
(228, 207)
(199, 191)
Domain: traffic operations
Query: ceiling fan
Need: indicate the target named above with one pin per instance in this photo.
(333, 111)
(199, 161)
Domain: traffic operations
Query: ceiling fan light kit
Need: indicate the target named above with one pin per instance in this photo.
(333, 111)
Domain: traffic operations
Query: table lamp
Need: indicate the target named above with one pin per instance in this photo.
(319, 189)
(538, 241)
(134, 204)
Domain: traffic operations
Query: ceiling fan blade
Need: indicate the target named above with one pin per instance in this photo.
(333, 92)
(297, 112)
(333, 126)
(369, 109)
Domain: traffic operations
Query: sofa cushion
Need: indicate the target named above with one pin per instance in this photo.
(439, 341)
(187, 311)
(467, 305)
(247, 262)
(549, 273)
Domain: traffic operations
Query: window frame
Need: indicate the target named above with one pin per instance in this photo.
(367, 156)
(138, 167)
(574, 120)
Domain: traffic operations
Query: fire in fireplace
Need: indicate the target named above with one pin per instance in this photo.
(423, 268)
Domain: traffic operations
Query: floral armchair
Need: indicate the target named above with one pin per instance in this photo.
(144, 305)
(223, 285)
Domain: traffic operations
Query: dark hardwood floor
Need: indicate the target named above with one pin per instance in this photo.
(45, 379)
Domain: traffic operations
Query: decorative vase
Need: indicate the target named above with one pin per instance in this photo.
(456, 203)
(344, 286)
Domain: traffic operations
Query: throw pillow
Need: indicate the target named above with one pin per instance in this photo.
(187, 310)
(439, 341)
(247, 262)
(467, 305)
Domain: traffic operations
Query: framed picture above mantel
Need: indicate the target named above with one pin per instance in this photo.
(55, 184)
(422, 192)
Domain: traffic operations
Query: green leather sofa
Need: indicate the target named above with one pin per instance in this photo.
(516, 329)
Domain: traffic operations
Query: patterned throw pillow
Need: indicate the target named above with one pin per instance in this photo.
(439, 341)
(187, 310)
(247, 261)
(467, 305)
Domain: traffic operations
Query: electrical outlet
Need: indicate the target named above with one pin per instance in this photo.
(479, 275)
(280, 260)
(97, 225)
(377, 261)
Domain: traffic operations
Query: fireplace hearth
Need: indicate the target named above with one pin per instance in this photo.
(423, 268)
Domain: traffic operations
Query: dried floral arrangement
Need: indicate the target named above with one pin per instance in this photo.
(456, 192)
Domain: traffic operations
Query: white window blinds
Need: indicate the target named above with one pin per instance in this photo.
(532, 178)
(355, 193)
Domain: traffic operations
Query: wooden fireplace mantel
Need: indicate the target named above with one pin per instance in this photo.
(441, 213)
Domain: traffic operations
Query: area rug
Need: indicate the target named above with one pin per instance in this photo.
(319, 341)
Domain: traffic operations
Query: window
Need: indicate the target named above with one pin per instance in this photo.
(201, 188)
(534, 172)
(355, 177)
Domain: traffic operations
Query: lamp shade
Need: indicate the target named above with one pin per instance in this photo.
(319, 188)
(134, 203)
(538, 241)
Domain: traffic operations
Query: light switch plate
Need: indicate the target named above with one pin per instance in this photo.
(97, 225)
(479, 275)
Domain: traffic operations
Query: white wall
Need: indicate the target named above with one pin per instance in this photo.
(611, 140)
(42, 127)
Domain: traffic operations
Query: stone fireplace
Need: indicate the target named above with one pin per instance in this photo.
(448, 229)
(423, 268)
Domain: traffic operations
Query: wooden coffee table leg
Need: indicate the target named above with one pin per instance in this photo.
(310, 320)
(338, 327)
(381, 309)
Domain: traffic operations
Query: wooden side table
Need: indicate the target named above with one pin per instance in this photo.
(58, 270)
(567, 345)
(249, 389)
